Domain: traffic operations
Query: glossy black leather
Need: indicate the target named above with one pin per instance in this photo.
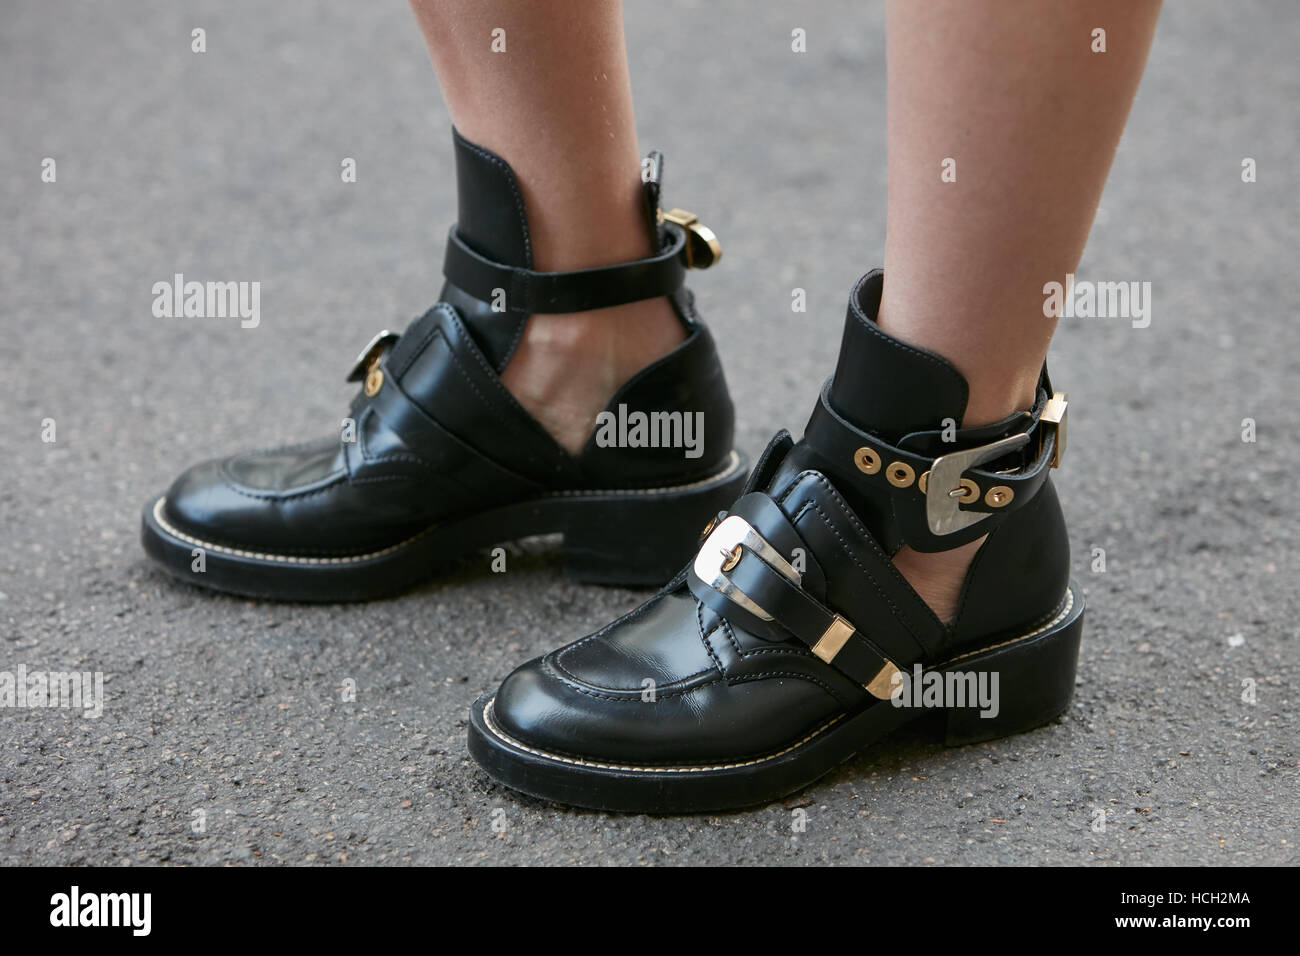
(906, 394)
(490, 250)
(443, 437)
(492, 218)
(599, 287)
(729, 685)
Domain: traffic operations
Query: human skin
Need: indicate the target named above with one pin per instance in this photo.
(1011, 91)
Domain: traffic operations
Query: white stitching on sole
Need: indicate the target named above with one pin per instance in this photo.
(487, 719)
(1069, 603)
(579, 762)
(284, 558)
(732, 464)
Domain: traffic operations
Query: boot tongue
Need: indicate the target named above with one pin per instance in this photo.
(885, 386)
(491, 220)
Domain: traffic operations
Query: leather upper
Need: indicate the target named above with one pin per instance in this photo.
(728, 682)
(441, 437)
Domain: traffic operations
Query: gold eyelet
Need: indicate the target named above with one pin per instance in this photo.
(374, 381)
(900, 474)
(923, 482)
(868, 461)
(999, 496)
(968, 492)
(733, 558)
(708, 528)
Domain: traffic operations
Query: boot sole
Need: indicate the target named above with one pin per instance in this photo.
(631, 538)
(1036, 682)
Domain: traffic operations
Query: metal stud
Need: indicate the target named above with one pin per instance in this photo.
(999, 496)
(923, 482)
(374, 381)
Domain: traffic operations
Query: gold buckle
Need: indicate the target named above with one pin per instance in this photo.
(371, 354)
(1054, 414)
(702, 247)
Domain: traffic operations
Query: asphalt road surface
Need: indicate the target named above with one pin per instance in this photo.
(224, 737)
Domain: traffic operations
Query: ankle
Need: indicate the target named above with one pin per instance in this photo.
(566, 368)
(1001, 380)
(938, 577)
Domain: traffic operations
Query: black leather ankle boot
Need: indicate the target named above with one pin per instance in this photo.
(791, 642)
(437, 459)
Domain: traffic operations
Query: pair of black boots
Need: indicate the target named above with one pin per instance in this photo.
(787, 643)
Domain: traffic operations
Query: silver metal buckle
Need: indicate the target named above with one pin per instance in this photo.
(718, 554)
(942, 509)
(721, 551)
(374, 348)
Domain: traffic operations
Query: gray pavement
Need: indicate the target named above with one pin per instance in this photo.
(226, 164)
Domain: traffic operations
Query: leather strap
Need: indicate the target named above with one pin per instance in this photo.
(808, 619)
(763, 599)
(532, 292)
(434, 444)
(840, 441)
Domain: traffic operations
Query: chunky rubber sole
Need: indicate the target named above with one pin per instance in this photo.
(1035, 681)
(631, 538)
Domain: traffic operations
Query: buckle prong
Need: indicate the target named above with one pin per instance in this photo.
(722, 551)
(942, 512)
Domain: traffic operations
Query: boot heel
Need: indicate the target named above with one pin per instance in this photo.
(1035, 680)
(643, 538)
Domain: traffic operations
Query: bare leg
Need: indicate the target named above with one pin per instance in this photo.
(557, 106)
(1014, 94)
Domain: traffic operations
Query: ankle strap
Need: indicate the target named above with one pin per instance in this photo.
(942, 500)
(533, 292)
